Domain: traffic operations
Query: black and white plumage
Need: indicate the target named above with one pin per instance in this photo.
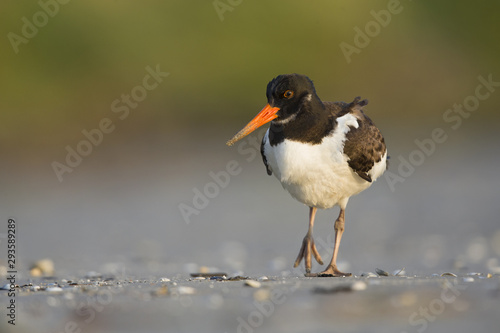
(322, 152)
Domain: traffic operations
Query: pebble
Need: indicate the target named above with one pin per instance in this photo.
(44, 267)
(263, 278)
(468, 279)
(3, 270)
(163, 290)
(381, 272)
(208, 275)
(198, 278)
(5, 287)
(218, 278)
(163, 279)
(369, 274)
(449, 274)
(54, 289)
(34, 288)
(237, 278)
(399, 272)
(358, 286)
(204, 269)
(183, 290)
(252, 283)
(406, 299)
(262, 294)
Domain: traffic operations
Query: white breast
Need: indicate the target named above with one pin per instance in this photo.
(318, 175)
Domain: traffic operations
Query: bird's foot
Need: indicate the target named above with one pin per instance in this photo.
(308, 248)
(330, 271)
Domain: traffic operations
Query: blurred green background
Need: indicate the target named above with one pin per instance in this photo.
(65, 78)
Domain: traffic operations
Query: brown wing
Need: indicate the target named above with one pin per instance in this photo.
(364, 145)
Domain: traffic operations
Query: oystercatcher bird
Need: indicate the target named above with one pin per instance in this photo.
(322, 153)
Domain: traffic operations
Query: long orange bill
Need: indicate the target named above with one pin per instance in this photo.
(267, 114)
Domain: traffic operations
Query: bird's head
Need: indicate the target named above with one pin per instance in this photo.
(287, 96)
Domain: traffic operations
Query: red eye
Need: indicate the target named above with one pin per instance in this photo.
(288, 94)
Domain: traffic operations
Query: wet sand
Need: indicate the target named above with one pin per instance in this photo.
(462, 303)
(123, 252)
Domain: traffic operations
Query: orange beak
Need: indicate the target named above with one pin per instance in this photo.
(267, 114)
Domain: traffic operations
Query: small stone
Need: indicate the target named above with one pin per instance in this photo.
(449, 274)
(162, 291)
(54, 289)
(163, 279)
(252, 283)
(5, 287)
(358, 286)
(263, 278)
(489, 275)
(473, 274)
(369, 274)
(406, 299)
(218, 278)
(262, 294)
(381, 272)
(208, 275)
(34, 288)
(468, 279)
(183, 290)
(399, 272)
(204, 269)
(44, 267)
(237, 278)
(198, 278)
